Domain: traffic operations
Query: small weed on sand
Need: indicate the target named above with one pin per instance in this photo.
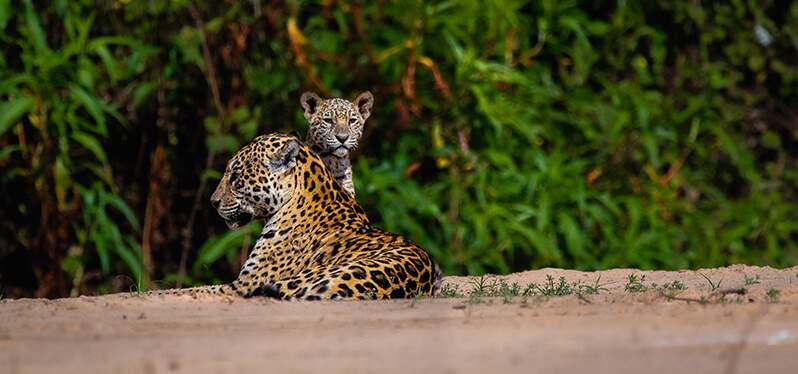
(669, 290)
(552, 288)
(634, 284)
(483, 288)
(750, 281)
(712, 285)
(450, 291)
(676, 285)
(507, 292)
(480, 287)
(492, 287)
(772, 295)
(592, 289)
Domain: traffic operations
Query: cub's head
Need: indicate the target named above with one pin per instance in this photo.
(335, 124)
(259, 179)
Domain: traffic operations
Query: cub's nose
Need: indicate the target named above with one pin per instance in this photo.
(215, 202)
(342, 137)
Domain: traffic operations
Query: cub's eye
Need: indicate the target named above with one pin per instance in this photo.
(327, 119)
(352, 120)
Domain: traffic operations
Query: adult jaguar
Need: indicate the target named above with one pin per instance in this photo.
(317, 242)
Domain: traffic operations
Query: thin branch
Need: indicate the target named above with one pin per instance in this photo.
(357, 18)
(210, 71)
(675, 167)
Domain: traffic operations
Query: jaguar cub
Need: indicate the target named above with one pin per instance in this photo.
(335, 128)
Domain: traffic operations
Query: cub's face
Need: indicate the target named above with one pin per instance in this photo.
(258, 180)
(335, 124)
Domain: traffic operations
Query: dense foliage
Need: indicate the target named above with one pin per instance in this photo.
(506, 135)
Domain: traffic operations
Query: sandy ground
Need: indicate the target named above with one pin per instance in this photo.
(612, 332)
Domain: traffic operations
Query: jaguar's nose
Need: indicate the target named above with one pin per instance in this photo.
(342, 137)
(215, 202)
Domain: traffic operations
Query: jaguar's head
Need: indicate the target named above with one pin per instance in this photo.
(259, 179)
(335, 124)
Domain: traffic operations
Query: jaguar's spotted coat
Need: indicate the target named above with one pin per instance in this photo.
(317, 243)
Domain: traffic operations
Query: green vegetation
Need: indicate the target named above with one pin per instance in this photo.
(592, 289)
(676, 285)
(772, 296)
(506, 135)
(552, 288)
(634, 284)
(416, 298)
(712, 285)
(494, 287)
(749, 281)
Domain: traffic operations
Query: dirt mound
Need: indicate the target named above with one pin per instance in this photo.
(738, 319)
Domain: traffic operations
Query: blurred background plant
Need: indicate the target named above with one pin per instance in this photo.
(506, 135)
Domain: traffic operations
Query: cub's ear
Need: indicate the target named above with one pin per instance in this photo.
(363, 104)
(285, 158)
(310, 104)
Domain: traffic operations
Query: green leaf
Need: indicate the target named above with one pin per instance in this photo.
(12, 111)
(217, 246)
(35, 31)
(5, 13)
(544, 246)
(71, 265)
(210, 174)
(574, 239)
(92, 105)
(123, 208)
(112, 40)
(222, 143)
(9, 84)
(111, 67)
(143, 92)
(62, 180)
(102, 251)
(188, 42)
(239, 114)
(131, 260)
(6, 151)
(90, 142)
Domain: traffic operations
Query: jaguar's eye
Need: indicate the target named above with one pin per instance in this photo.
(327, 119)
(233, 179)
(352, 120)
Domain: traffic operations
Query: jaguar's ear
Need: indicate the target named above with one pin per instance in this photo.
(363, 104)
(310, 104)
(285, 158)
